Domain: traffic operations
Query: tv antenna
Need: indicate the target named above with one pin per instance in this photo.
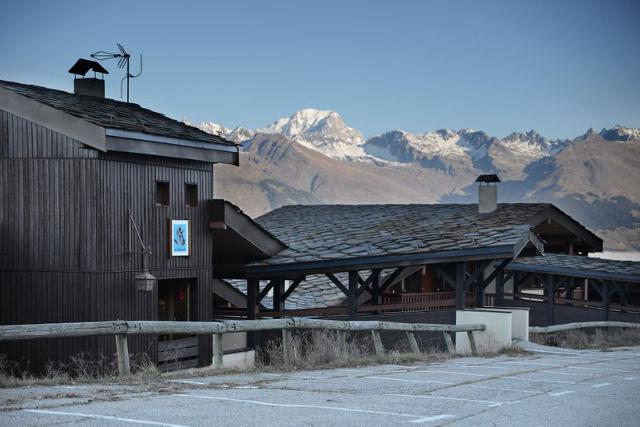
(123, 58)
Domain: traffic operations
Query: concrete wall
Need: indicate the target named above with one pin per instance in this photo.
(519, 320)
(497, 333)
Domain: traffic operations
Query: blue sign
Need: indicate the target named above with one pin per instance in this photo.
(179, 237)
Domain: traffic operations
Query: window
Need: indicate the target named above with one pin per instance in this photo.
(191, 195)
(162, 193)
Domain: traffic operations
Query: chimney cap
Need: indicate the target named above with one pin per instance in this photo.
(488, 178)
(83, 66)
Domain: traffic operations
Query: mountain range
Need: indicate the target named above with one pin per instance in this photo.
(313, 157)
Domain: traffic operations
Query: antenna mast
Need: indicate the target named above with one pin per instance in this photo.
(123, 61)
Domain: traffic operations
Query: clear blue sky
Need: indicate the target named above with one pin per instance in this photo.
(559, 67)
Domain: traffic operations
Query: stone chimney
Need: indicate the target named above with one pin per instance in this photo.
(92, 86)
(487, 193)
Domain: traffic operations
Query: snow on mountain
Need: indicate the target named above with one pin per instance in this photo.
(321, 130)
(620, 133)
(237, 134)
(212, 128)
(512, 154)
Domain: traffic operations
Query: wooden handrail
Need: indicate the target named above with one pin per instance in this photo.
(121, 329)
(581, 325)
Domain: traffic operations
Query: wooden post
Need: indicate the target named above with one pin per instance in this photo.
(460, 291)
(605, 299)
(479, 293)
(342, 342)
(353, 295)
(217, 351)
(287, 347)
(122, 347)
(412, 342)
(549, 287)
(375, 287)
(449, 341)
(499, 296)
(377, 343)
(472, 343)
(253, 286)
(278, 291)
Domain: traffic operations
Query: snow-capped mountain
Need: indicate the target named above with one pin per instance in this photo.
(313, 156)
(620, 133)
(321, 130)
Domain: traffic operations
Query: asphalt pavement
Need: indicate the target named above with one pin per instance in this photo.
(546, 387)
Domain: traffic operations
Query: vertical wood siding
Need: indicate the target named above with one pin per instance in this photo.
(64, 237)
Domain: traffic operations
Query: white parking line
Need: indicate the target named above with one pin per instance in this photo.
(453, 384)
(513, 362)
(539, 381)
(561, 393)
(597, 369)
(486, 366)
(433, 418)
(630, 378)
(574, 374)
(460, 399)
(410, 381)
(451, 373)
(418, 418)
(101, 417)
(600, 385)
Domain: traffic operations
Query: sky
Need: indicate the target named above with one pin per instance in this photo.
(559, 67)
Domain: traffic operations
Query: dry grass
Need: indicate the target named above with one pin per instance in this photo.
(321, 349)
(80, 369)
(593, 338)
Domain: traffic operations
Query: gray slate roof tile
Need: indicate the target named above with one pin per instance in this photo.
(109, 113)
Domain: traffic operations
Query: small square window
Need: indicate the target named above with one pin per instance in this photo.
(162, 193)
(191, 195)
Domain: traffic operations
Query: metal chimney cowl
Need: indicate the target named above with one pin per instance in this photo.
(487, 193)
(487, 198)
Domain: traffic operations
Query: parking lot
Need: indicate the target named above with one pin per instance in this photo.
(542, 388)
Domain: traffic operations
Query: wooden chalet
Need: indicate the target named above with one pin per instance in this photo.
(90, 189)
(108, 212)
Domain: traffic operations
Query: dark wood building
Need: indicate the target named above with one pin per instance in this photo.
(85, 181)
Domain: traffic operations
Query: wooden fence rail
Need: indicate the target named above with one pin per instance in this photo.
(120, 329)
(581, 325)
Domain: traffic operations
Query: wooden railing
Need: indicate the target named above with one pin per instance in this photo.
(581, 325)
(121, 329)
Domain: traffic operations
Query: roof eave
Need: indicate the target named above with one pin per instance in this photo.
(52, 118)
(588, 274)
(381, 261)
(164, 146)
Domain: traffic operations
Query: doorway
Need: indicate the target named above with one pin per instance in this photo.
(176, 304)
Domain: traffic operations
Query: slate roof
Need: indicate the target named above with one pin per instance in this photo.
(579, 266)
(330, 232)
(112, 114)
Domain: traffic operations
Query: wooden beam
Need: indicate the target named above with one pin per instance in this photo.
(499, 298)
(460, 291)
(447, 278)
(253, 286)
(550, 288)
(353, 295)
(278, 291)
(263, 293)
(338, 283)
(292, 288)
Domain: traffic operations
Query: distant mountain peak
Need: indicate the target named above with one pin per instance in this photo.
(620, 133)
(321, 130)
